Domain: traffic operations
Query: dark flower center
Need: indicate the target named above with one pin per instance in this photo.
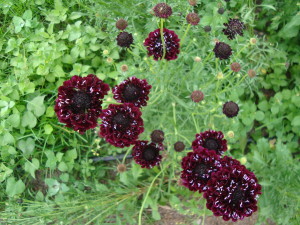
(81, 101)
(150, 153)
(237, 196)
(200, 169)
(131, 92)
(211, 144)
(121, 119)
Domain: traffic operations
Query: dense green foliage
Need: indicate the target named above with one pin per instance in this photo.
(47, 171)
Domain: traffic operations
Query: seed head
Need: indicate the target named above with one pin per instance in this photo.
(243, 160)
(192, 2)
(253, 41)
(221, 10)
(197, 96)
(124, 67)
(157, 136)
(231, 109)
(162, 10)
(235, 67)
(207, 28)
(197, 59)
(105, 52)
(121, 168)
(251, 73)
(179, 146)
(193, 18)
(220, 76)
(121, 24)
(230, 134)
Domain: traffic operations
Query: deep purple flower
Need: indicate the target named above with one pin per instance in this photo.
(231, 109)
(233, 28)
(121, 124)
(132, 90)
(211, 140)
(197, 168)
(222, 50)
(78, 103)
(157, 136)
(155, 46)
(147, 155)
(124, 39)
(162, 10)
(232, 193)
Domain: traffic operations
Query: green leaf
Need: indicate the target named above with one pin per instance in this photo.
(18, 23)
(7, 139)
(71, 155)
(27, 15)
(291, 29)
(27, 146)
(37, 106)
(4, 172)
(75, 15)
(14, 120)
(62, 166)
(275, 109)
(31, 167)
(48, 129)
(29, 120)
(53, 186)
(259, 115)
(296, 121)
(51, 161)
(14, 188)
(50, 111)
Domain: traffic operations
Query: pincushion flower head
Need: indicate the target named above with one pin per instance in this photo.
(132, 90)
(147, 155)
(155, 46)
(197, 168)
(78, 103)
(124, 39)
(193, 18)
(233, 27)
(232, 193)
(211, 140)
(121, 124)
(231, 109)
(222, 50)
(162, 10)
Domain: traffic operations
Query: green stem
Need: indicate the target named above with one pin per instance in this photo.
(186, 31)
(162, 37)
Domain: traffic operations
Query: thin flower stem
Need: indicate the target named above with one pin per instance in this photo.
(162, 37)
(147, 194)
(125, 156)
(186, 31)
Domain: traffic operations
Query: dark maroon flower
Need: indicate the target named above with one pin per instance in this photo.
(231, 109)
(228, 161)
(197, 168)
(211, 140)
(121, 124)
(233, 28)
(78, 103)
(132, 90)
(193, 18)
(147, 155)
(222, 50)
(157, 136)
(221, 10)
(207, 28)
(235, 67)
(124, 39)
(197, 96)
(121, 24)
(179, 146)
(155, 46)
(162, 10)
(232, 193)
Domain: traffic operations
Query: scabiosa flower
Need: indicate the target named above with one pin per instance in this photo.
(157, 136)
(179, 146)
(132, 90)
(235, 67)
(228, 161)
(221, 10)
(147, 155)
(232, 193)
(121, 124)
(121, 24)
(78, 103)
(192, 2)
(233, 28)
(211, 140)
(207, 28)
(251, 73)
(197, 168)
(162, 10)
(193, 18)
(197, 96)
(231, 109)
(124, 39)
(222, 50)
(155, 46)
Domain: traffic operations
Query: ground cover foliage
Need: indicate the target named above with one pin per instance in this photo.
(47, 171)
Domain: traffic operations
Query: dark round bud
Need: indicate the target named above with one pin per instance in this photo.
(197, 96)
(193, 18)
(179, 146)
(235, 67)
(222, 50)
(162, 10)
(124, 39)
(221, 10)
(121, 168)
(121, 24)
(251, 73)
(157, 136)
(207, 28)
(231, 109)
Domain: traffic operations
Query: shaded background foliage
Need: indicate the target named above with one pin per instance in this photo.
(48, 168)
